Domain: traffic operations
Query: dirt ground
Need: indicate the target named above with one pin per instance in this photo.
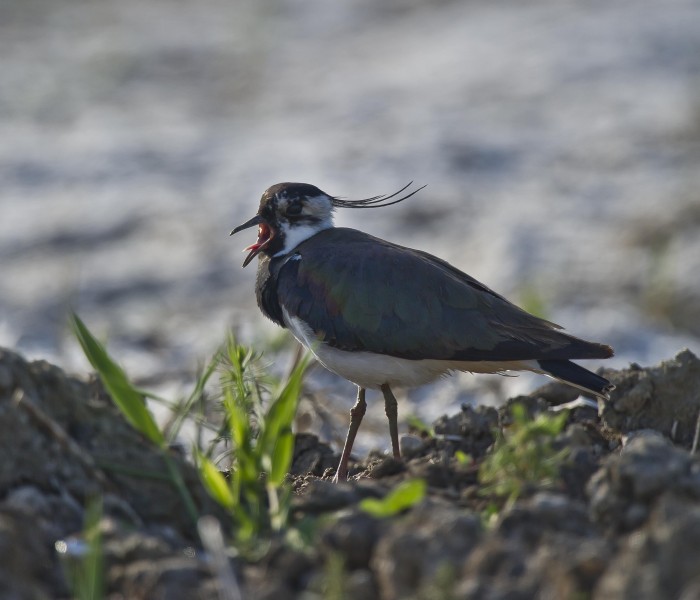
(620, 521)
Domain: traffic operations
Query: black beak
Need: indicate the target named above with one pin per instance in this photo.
(256, 220)
(265, 235)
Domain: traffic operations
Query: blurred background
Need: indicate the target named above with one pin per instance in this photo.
(560, 142)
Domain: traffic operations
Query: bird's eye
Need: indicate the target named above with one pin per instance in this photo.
(294, 210)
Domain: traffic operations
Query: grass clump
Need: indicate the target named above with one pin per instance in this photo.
(523, 455)
(262, 445)
(257, 423)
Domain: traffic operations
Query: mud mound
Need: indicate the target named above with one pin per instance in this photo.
(664, 398)
(63, 443)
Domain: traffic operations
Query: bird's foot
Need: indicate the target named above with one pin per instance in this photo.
(340, 476)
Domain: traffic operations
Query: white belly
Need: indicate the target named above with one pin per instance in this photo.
(369, 370)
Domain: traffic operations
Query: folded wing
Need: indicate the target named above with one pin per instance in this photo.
(370, 295)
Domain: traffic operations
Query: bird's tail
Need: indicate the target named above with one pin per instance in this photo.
(575, 375)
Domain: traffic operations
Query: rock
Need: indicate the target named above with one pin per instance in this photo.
(27, 567)
(576, 436)
(623, 491)
(545, 547)
(311, 456)
(318, 496)
(176, 578)
(470, 430)
(280, 574)
(385, 467)
(544, 513)
(555, 393)
(56, 515)
(438, 469)
(408, 444)
(326, 584)
(290, 565)
(353, 536)
(417, 549)
(559, 567)
(361, 584)
(533, 405)
(661, 560)
(663, 398)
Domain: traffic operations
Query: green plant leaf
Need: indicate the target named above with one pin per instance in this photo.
(404, 496)
(262, 442)
(463, 458)
(415, 422)
(214, 482)
(489, 516)
(283, 408)
(523, 455)
(94, 561)
(281, 458)
(239, 422)
(127, 398)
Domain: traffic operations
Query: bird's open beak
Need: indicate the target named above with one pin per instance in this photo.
(265, 235)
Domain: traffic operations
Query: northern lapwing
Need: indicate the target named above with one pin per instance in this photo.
(383, 315)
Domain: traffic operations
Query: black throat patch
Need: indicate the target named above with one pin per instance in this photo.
(266, 288)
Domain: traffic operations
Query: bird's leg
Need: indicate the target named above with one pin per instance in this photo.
(356, 414)
(391, 409)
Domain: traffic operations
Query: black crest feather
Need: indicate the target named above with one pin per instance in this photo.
(376, 201)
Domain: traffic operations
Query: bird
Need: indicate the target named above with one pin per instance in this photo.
(383, 315)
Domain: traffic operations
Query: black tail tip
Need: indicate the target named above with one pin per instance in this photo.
(578, 377)
(607, 389)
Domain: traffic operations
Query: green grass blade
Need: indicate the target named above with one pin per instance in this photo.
(282, 411)
(127, 398)
(523, 455)
(180, 485)
(239, 422)
(93, 583)
(183, 411)
(464, 459)
(404, 496)
(214, 482)
(421, 427)
(281, 458)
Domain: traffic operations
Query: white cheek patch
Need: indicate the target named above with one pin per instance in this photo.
(295, 234)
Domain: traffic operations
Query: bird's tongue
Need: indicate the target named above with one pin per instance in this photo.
(263, 238)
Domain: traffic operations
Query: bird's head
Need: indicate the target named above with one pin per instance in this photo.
(290, 213)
